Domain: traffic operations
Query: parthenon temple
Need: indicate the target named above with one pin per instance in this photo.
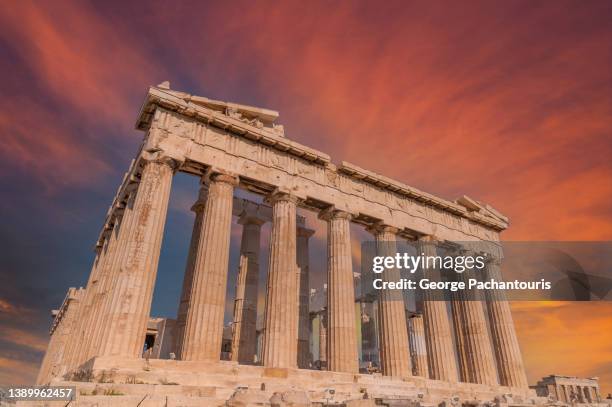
(447, 351)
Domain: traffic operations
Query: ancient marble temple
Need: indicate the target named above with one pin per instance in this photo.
(451, 348)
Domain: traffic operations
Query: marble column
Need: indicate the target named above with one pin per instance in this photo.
(203, 333)
(133, 288)
(566, 397)
(181, 318)
(281, 313)
(597, 396)
(580, 394)
(476, 358)
(505, 343)
(244, 338)
(54, 363)
(418, 348)
(303, 236)
(342, 353)
(393, 331)
(110, 301)
(84, 320)
(105, 279)
(588, 395)
(323, 340)
(76, 347)
(436, 324)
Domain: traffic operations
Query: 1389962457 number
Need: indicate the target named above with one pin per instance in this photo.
(29, 393)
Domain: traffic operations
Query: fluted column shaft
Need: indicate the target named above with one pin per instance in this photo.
(281, 315)
(303, 236)
(393, 331)
(102, 343)
(91, 305)
(244, 338)
(203, 333)
(474, 346)
(54, 363)
(75, 349)
(507, 351)
(323, 340)
(437, 325)
(108, 269)
(418, 348)
(342, 353)
(133, 288)
(84, 319)
(181, 318)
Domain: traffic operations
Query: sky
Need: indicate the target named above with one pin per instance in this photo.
(506, 102)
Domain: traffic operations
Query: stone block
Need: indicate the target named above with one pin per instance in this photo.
(245, 397)
(276, 372)
(292, 398)
(360, 403)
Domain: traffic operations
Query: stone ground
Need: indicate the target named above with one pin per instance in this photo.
(169, 383)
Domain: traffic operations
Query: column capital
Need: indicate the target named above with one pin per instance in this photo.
(213, 175)
(281, 196)
(465, 251)
(305, 232)
(491, 260)
(333, 213)
(163, 159)
(380, 228)
(429, 239)
(250, 219)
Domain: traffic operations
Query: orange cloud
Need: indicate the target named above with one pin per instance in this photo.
(573, 339)
(7, 308)
(520, 118)
(37, 143)
(17, 372)
(23, 337)
(79, 57)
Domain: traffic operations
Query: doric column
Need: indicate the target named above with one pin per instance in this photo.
(554, 389)
(418, 348)
(436, 324)
(118, 248)
(393, 332)
(107, 269)
(474, 346)
(281, 315)
(588, 395)
(181, 319)
(507, 351)
(244, 338)
(303, 236)
(54, 363)
(133, 288)
(341, 331)
(565, 394)
(323, 340)
(76, 347)
(204, 324)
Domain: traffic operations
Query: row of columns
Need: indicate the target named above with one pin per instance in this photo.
(480, 344)
(115, 308)
(118, 299)
(570, 393)
(285, 342)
